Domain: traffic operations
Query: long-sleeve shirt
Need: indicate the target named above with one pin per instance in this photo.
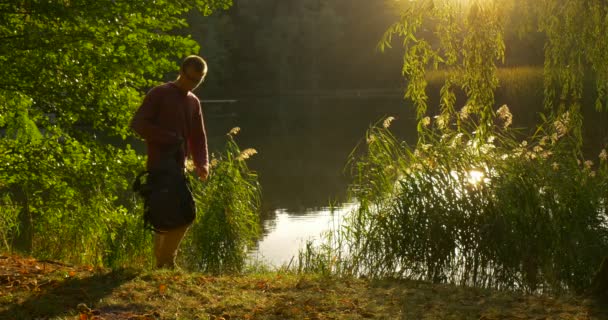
(168, 116)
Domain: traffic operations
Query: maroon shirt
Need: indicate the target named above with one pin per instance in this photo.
(167, 116)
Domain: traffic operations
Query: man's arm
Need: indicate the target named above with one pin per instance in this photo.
(144, 121)
(197, 142)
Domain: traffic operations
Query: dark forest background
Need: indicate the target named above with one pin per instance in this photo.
(310, 47)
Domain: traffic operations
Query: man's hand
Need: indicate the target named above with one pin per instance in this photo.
(203, 172)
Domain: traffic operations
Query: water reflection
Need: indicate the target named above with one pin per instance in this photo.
(303, 144)
(289, 232)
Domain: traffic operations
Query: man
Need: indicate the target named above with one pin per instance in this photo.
(171, 115)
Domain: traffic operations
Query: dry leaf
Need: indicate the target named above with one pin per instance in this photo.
(162, 289)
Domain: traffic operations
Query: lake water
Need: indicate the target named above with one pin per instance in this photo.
(303, 145)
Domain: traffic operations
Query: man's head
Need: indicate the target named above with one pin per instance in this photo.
(192, 72)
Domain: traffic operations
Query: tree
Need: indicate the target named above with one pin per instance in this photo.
(466, 38)
(534, 218)
(73, 73)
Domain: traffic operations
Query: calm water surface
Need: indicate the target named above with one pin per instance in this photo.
(303, 145)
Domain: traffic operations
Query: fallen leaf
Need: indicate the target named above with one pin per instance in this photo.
(162, 289)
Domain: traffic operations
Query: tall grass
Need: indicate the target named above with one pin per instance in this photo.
(86, 214)
(501, 213)
(9, 222)
(228, 204)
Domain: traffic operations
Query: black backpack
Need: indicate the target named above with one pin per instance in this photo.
(167, 194)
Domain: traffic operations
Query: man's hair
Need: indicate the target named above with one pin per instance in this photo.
(196, 63)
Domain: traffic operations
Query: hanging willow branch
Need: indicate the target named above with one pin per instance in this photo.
(465, 41)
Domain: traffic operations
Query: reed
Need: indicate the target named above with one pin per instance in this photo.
(502, 213)
(227, 223)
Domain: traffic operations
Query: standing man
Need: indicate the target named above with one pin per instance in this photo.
(171, 115)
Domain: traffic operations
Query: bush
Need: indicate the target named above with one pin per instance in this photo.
(72, 203)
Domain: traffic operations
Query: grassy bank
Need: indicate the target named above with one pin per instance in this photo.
(47, 290)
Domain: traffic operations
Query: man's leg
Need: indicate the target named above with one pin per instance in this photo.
(166, 245)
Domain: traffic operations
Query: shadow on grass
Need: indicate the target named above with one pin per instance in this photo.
(439, 301)
(61, 298)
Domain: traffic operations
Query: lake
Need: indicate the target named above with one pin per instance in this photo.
(303, 145)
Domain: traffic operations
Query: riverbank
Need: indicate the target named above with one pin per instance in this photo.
(33, 289)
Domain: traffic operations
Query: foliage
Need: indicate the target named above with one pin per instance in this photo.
(576, 50)
(467, 43)
(228, 213)
(474, 202)
(73, 74)
(501, 214)
(272, 45)
(72, 201)
(9, 222)
(85, 62)
(467, 39)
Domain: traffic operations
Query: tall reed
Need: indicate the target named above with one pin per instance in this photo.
(500, 213)
(228, 204)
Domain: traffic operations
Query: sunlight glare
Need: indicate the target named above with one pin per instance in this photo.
(475, 177)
